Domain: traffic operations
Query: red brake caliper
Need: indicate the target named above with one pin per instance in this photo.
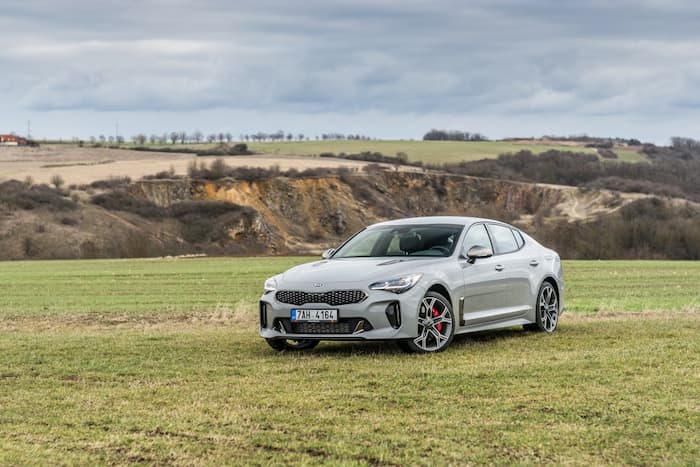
(439, 325)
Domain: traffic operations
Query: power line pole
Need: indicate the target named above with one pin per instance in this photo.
(29, 129)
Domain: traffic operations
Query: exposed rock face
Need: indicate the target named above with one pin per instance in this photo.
(294, 215)
(163, 193)
(301, 215)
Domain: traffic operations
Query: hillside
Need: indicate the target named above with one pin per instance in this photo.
(276, 214)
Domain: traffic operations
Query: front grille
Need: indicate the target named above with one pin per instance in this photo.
(343, 326)
(333, 298)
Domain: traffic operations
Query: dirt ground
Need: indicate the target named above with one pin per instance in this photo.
(85, 165)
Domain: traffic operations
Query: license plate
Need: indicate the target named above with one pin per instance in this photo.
(315, 316)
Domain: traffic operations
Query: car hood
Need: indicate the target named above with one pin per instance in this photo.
(326, 274)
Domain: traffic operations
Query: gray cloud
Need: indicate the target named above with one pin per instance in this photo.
(634, 60)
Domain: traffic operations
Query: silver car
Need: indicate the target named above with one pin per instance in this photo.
(418, 282)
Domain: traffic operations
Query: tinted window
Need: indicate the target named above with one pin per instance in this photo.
(477, 236)
(503, 239)
(402, 240)
(518, 238)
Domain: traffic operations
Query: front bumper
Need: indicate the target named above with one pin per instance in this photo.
(367, 320)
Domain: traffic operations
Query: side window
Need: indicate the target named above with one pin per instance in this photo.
(518, 238)
(477, 235)
(503, 239)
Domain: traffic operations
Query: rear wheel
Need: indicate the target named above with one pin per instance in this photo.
(547, 310)
(292, 345)
(436, 326)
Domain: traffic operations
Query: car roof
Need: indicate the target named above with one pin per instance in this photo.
(427, 220)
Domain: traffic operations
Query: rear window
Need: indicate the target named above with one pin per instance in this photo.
(503, 239)
(518, 238)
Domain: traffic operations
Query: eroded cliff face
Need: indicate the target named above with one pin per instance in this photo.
(307, 215)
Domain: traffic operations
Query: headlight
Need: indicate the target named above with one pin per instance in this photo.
(399, 285)
(270, 285)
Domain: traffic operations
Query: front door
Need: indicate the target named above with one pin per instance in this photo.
(482, 296)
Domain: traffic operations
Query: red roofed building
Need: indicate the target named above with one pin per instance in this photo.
(12, 140)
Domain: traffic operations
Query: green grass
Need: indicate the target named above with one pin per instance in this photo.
(630, 155)
(178, 289)
(158, 361)
(416, 150)
(425, 151)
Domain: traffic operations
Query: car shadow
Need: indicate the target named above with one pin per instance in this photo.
(390, 348)
(484, 337)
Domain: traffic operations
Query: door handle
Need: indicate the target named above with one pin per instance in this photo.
(534, 262)
(499, 267)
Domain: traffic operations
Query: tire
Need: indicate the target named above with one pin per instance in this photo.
(546, 310)
(436, 326)
(291, 345)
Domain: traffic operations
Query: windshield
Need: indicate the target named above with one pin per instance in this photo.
(404, 240)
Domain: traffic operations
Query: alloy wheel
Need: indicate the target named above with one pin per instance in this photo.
(548, 308)
(435, 324)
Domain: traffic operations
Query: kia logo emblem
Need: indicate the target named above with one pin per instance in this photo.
(317, 284)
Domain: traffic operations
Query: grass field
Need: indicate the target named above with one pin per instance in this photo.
(630, 155)
(425, 151)
(416, 150)
(158, 361)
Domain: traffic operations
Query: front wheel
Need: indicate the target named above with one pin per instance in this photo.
(547, 310)
(292, 345)
(436, 326)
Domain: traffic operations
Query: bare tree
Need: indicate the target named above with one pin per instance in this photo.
(211, 138)
(229, 137)
(57, 181)
(139, 139)
(221, 137)
(174, 136)
(183, 137)
(300, 136)
(198, 136)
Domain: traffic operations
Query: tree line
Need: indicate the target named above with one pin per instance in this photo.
(197, 137)
(453, 135)
(672, 172)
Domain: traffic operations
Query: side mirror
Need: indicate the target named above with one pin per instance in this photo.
(478, 251)
(328, 253)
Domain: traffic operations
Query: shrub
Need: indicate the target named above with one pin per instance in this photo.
(111, 183)
(122, 201)
(163, 175)
(607, 153)
(69, 221)
(207, 221)
(18, 195)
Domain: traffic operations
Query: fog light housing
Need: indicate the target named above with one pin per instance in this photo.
(393, 314)
(263, 315)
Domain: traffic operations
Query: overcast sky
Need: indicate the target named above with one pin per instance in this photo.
(388, 69)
